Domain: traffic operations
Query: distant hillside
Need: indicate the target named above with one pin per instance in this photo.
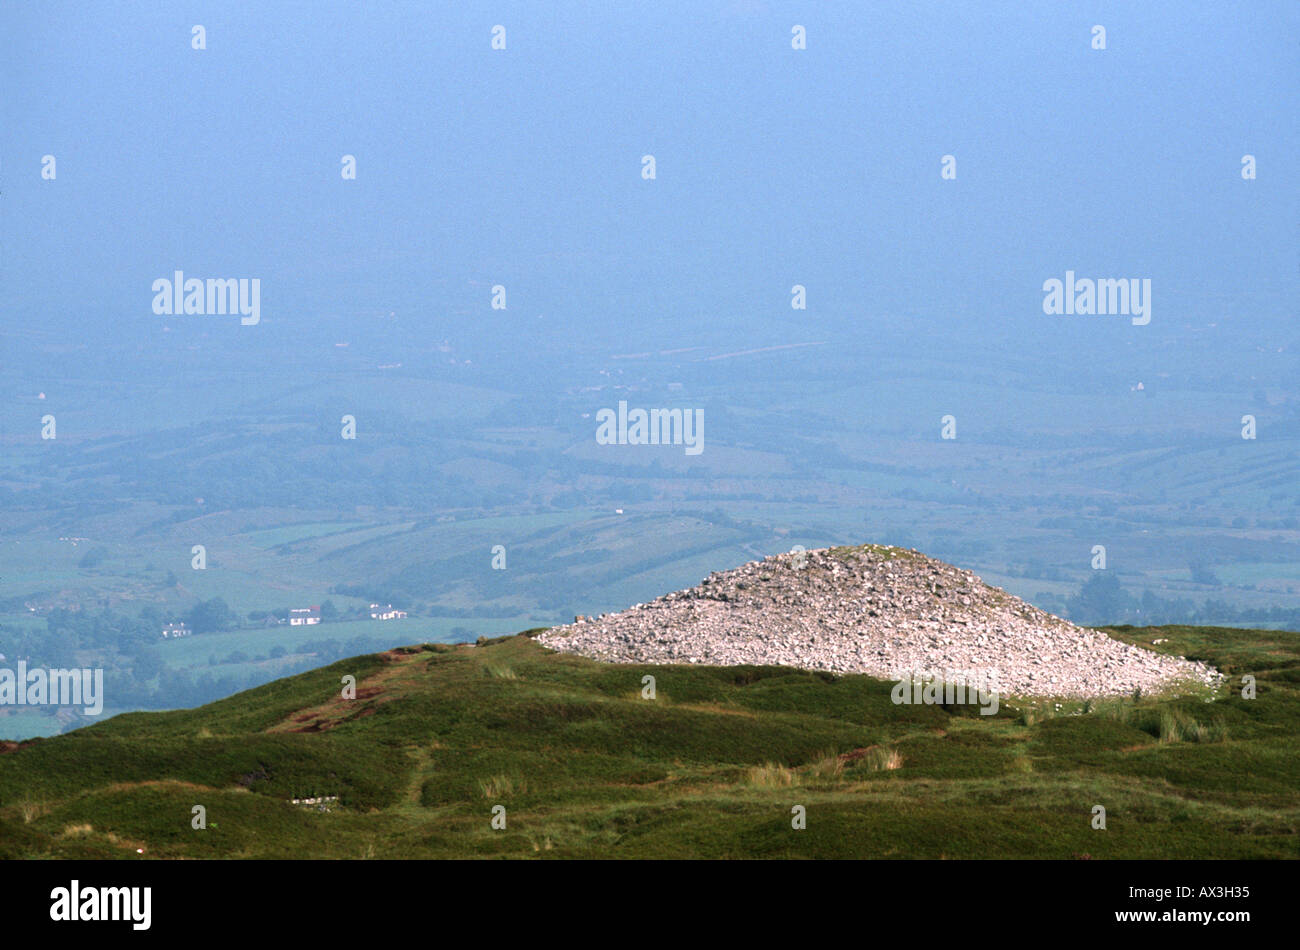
(712, 766)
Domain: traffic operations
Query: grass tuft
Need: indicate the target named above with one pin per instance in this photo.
(827, 766)
(881, 759)
(771, 775)
(502, 786)
(31, 810)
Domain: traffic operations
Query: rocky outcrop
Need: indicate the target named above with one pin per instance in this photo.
(886, 612)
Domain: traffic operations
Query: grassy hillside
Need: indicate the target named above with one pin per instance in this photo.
(585, 767)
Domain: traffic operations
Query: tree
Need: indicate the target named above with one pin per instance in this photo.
(1202, 573)
(1100, 600)
(145, 663)
(210, 615)
(93, 557)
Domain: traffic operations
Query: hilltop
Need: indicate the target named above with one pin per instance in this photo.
(884, 611)
(586, 765)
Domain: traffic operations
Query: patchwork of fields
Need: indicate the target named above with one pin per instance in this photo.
(480, 510)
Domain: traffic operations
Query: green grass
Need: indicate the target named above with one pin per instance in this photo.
(439, 735)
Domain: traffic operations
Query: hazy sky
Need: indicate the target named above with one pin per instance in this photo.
(774, 166)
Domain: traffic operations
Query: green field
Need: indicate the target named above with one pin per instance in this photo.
(713, 766)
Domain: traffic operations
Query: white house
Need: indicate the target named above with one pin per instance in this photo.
(301, 616)
(386, 612)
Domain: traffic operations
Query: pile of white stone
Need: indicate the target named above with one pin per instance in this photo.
(891, 613)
